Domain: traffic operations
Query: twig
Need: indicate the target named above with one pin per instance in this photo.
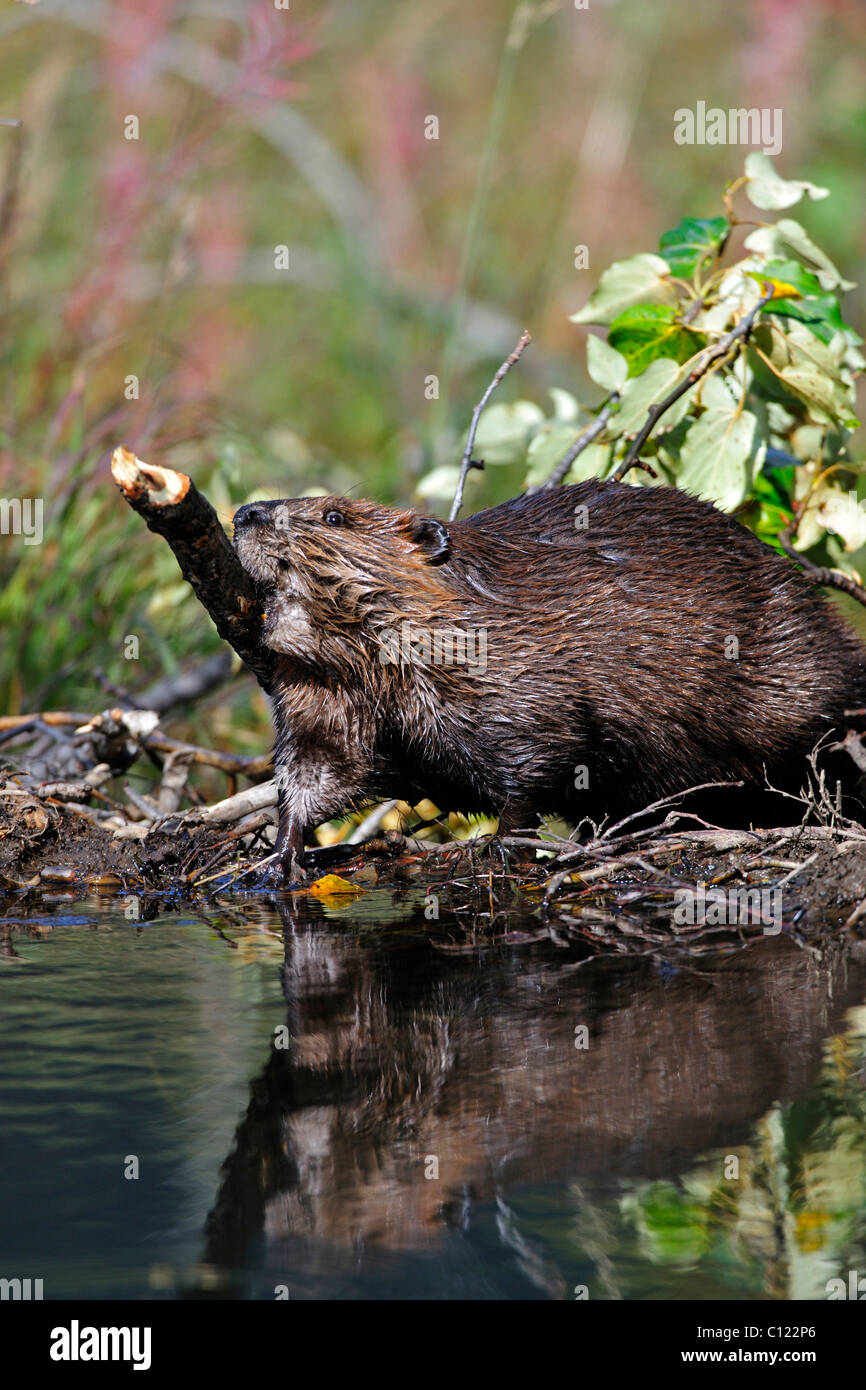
(583, 441)
(638, 463)
(370, 824)
(607, 834)
(184, 686)
(257, 798)
(797, 869)
(706, 359)
(141, 803)
(852, 745)
(13, 725)
(819, 574)
(231, 763)
(175, 689)
(18, 723)
(467, 461)
(854, 917)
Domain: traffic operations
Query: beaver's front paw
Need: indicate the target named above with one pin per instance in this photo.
(291, 871)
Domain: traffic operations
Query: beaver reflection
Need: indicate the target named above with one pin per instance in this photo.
(401, 1054)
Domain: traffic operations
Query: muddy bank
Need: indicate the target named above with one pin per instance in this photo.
(690, 891)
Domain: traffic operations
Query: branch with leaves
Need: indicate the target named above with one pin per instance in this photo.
(727, 369)
(717, 353)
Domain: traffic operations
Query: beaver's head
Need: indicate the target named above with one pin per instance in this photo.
(334, 571)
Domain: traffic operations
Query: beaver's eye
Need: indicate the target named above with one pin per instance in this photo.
(334, 519)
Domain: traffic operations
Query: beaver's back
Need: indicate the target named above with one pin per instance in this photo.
(656, 642)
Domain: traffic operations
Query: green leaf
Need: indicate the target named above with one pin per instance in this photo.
(645, 390)
(801, 344)
(841, 513)
(504, 431)
(827, 400)
(607, 367)
(668, 443)
(548, 446)
(439, 482)
(770, 521)
(720, 455)
(806, 370)
(808, 442)
(781, 420)
(694, 242)
(820, 312)
(774, 486)
(787, 278)
(771, 509)
(798, 295)
(785, 236)
(565, 407)
(552, 443)
(637, 280)
(717, 391)
(594, 462)
(767, 189)
(651, 331)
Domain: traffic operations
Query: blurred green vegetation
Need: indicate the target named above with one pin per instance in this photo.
(408, 257)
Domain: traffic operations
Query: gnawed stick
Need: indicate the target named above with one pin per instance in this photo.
(172, 507)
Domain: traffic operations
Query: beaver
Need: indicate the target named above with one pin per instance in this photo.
(583, 651)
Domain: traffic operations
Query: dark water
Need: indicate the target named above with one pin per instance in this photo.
(358, 1103)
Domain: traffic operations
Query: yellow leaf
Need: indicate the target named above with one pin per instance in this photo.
(781, 288)
(333, 886)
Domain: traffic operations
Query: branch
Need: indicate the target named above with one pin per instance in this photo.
(178, 688)
(827, 578)
(467, 461)
(583, 441)
(172, 507)
(706, 359)
(851, 744)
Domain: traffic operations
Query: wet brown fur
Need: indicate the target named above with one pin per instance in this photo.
(608, 648)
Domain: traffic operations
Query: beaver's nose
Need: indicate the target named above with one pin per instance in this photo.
(253, 514)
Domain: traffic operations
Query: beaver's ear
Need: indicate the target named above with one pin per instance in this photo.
(433, 538)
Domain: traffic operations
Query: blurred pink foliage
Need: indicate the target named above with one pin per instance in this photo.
(152, 205)
(776, 49)
(271, 42)
(130, 50)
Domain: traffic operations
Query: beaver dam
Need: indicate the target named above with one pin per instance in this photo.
(660, 882)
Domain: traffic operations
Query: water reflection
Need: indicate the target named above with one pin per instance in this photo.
(416, 1092)
(408, 1111)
